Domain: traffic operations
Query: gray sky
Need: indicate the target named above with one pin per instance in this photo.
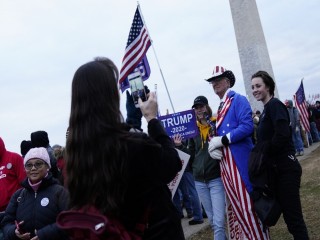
(44, 42)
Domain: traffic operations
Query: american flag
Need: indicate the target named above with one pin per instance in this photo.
(301, 105)
(242, 221)
(135, 58)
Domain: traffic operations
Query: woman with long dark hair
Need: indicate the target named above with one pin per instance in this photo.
(122, 174)
(274, 129)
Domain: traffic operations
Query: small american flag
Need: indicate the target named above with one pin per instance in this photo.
(135, 58)
(301, 105)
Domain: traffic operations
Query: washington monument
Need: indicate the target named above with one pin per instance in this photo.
(251, 43)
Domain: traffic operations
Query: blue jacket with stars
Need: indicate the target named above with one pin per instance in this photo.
(238, 122)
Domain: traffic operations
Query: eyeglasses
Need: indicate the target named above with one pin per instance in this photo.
(217, 80)
(37, 165)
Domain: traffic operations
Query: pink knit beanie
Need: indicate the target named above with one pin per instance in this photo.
(40, 153)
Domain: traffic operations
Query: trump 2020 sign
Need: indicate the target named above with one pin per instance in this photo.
(183, 123)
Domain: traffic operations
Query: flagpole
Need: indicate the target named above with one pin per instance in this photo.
(164, 81)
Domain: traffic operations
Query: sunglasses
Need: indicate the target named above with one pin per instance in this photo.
(37, 165)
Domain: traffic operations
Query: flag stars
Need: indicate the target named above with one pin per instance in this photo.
(136, 27)
(138, 42)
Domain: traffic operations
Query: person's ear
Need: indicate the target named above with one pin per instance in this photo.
(228, 81)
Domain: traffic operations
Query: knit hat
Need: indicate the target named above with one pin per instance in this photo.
(40, 153)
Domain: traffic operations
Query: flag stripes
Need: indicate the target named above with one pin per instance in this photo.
(134, 53)
(301, 105)
(240, 198)
(223, 111)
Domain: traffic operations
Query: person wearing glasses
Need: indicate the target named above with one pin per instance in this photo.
(233, 143)
(32, 210)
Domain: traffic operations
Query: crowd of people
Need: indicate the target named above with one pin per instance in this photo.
(301, 138)
(110, 166)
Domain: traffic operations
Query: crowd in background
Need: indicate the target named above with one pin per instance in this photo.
(300, 137)
(224, 142)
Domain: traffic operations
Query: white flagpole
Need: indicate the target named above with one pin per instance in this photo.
(156, 58)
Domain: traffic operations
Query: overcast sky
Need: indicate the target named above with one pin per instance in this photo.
(42, 43)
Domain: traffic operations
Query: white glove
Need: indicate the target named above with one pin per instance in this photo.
(216, 154)
(215, 143)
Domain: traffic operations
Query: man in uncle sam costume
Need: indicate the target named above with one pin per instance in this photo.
(234, 129)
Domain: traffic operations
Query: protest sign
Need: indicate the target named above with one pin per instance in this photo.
(173, 185)
(183, 123)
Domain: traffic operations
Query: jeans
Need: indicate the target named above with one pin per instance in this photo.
(213, 199)
(314, 132)
(196, 206)
(185, 197)
(310, 138)
(297, 140)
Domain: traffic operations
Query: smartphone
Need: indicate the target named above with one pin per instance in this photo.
(137, 87)
(18, 226)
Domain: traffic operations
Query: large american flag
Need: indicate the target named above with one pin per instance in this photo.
(301, 105)
(243, 223)
(135, 58)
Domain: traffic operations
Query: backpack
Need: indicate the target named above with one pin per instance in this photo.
(89, 223)
(262, 174)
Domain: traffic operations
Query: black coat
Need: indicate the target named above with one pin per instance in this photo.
(153, 163)
(38, 210)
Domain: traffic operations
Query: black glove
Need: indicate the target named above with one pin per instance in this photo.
(134, 114)
(146, 89)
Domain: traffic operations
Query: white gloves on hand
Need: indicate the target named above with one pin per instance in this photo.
(216, 154)
(215, 143)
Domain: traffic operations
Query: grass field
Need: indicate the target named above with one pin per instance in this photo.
(310, 198)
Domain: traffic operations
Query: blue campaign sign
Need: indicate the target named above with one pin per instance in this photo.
(183, 123)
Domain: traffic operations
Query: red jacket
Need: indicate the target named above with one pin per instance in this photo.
(11, 174)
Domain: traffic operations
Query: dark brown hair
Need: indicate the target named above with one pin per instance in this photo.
(95, 157)
(267, 79)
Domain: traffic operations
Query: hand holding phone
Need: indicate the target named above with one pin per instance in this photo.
(149, 108)
(18, 226)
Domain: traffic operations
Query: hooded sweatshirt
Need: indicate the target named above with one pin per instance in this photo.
(12, 173)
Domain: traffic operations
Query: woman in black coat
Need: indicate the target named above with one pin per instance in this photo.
(274, 129)
(122, 174)
(32, 211)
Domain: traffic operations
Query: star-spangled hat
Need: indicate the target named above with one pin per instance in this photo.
(219, 72)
